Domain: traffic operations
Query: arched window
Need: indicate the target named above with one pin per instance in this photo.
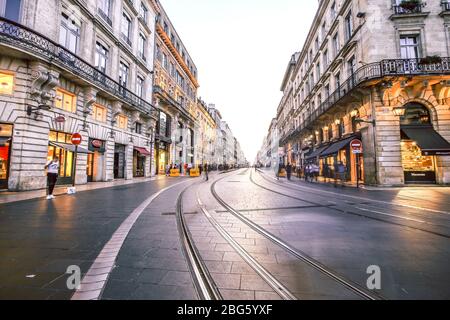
(341, 127)
(355, 116)
(416, 114)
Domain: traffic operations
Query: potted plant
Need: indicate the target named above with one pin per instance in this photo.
(410, 5)
(431, 60)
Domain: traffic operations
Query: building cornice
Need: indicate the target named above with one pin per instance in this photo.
(165, 38)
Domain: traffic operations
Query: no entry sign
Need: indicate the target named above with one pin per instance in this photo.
(76, 139)
(356, 146)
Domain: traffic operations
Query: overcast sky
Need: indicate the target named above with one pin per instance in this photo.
(241, 49)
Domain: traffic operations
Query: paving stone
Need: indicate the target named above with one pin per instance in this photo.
(254, 282)
(176, 278)
(227, 281)
(237, 295)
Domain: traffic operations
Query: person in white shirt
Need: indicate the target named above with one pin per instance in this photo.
(52, 176)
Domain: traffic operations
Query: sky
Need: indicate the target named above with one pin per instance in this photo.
(241, 49)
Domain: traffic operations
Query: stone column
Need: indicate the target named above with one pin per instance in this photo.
(387, 139)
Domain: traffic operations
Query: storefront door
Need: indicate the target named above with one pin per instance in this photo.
(5, 153)
(138, 165)
(66, 157)
(94, 168)
(5, 144)
(162, 161)
(119, 161)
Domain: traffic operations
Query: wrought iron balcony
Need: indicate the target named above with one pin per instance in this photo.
(104, 16)
(409, 7)
(22, 38)
(373, 71)
(445, 5)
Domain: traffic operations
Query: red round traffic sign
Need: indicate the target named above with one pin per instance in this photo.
(77, 139)
(356, 146)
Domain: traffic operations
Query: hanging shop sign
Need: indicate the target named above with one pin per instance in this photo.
(60, 119)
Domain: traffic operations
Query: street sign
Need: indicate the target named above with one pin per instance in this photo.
(356, 146)
(76, 139)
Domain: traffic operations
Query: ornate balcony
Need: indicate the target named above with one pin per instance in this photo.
(409, 7)
(386, 68)
(33, 43)
(445, 6)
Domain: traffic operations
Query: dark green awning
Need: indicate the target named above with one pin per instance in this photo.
(337, 146)
(317, 152)
(429, 141)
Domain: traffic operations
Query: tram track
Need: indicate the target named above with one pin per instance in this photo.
(342, 211)
(203, 281)
(302, 256)
(276, 285)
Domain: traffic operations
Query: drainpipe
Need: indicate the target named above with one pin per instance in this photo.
(374, 132)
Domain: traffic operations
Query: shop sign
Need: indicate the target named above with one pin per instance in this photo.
(436, 153)
(60, 119)
(97, 144)
(420, 176)
(356, 146)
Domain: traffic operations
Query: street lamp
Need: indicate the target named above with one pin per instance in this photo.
(359, 120)
(399, 111)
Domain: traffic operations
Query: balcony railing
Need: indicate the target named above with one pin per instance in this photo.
(377, 70)
(104, 16)
(36, 44)
(445, 5)
(409, 7)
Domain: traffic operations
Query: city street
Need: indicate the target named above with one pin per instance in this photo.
(243, 235)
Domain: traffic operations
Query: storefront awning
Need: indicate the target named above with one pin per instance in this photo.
(70, 147)
(337, 146)
(316, 152)
(143, 151)
(429, 141)
(4, 141)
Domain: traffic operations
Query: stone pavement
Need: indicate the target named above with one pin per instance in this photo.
(39, 239)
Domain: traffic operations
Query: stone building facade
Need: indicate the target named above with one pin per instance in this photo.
(175, 94)
(376, 71)
(76, 66)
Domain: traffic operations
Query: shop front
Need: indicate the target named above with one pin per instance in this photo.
(60, 145)
(96, 160)
(139, 159)
(420, 145)
(5, 153)
(162, 157)
(119, 161)
(340, 153)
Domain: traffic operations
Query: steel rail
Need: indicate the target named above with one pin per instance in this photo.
(295, 252)
(203, 281)
(333, 207)
(276, 285)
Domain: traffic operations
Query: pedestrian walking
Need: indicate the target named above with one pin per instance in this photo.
(52, 176)
(316, 172)
(342, 170)
(289, 171)
(205, 169)
(326, 171)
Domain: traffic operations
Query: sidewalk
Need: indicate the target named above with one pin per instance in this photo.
(8, 197)
(331, 182)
